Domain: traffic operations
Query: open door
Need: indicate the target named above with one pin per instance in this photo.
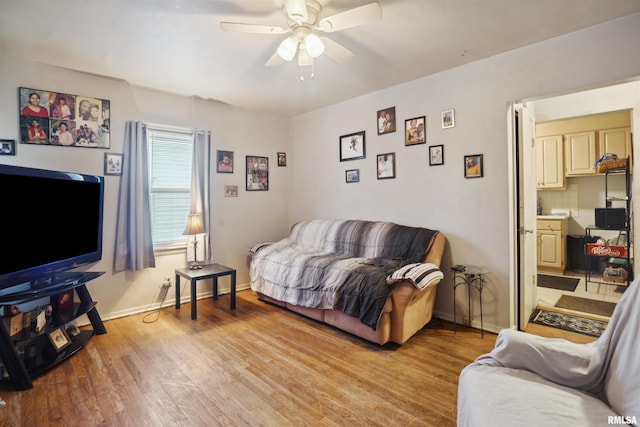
(527, 199)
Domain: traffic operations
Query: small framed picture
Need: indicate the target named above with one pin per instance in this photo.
(112, 164)
(386, 120)
(59, 339)
(230, 191)
(448, 119)
(352, 146)
(473, 166)
(7, 147)
(436, 155)
(352, 175)
(257, 173)
(415, 131)
(282, 159)
(225, 161)
(386, 165)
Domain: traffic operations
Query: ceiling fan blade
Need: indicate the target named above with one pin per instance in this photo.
(296, 10)
(350, 18)
(238, 27)
(336, 51)
(274, 61)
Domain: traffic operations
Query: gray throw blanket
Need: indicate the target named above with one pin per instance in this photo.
(340, 265)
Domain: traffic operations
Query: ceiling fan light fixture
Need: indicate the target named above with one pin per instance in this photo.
(314, 45)
(288, 47)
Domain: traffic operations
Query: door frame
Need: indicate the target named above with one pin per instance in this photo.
(514, 276)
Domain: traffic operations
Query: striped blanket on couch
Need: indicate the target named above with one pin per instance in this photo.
(343, 265)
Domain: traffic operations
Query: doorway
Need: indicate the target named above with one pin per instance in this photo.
(527, 295)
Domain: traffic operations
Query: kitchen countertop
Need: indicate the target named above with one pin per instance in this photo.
(554, 216)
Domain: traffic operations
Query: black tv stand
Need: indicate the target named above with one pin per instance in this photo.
(42, 355)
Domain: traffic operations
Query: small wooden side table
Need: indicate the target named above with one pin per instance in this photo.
(473, 276)
(208, 271)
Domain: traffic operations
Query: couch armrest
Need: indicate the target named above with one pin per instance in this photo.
(257, 246)
(555, 359)
(435, 252)
(418, 274)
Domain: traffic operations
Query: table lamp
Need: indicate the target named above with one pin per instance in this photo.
(194, 226)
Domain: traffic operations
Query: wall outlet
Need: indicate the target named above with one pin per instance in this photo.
(167, 283)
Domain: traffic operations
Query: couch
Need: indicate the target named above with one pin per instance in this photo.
(374, 279)
(529, 380)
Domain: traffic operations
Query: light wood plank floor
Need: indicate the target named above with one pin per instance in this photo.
(257, 365)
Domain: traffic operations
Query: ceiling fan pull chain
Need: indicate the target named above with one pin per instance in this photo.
(301, 73)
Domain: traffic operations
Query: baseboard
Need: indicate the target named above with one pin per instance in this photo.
(475, 323)
(169, 302)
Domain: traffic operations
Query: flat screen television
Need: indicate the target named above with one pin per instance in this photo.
(50, 222)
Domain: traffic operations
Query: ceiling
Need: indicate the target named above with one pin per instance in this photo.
(177, 45)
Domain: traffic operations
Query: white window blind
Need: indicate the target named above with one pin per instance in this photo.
(171, 157)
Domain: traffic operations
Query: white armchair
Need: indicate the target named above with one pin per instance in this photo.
(529, 380)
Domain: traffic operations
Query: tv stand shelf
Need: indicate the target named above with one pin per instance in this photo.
(42, 356)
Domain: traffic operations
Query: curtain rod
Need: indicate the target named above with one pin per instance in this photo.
(177, 129)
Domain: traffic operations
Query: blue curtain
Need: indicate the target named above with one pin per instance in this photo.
(201, 184)
(134, 242)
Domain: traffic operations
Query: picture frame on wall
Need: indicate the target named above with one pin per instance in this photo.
(386, 165)
(415, 131)
(473, 166)
(113, 163)
(448, 119)
(352, 146)
(282, 159)
(7, 147)
(257, 173)
(56, 118)
(224, 161)
(386, 120)
(436, 155)
(352, 175)
(230, 191)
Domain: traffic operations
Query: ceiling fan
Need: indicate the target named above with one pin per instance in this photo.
(303, 18)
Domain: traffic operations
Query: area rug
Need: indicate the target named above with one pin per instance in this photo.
(568, 322)
(585, 305)
(557, 282)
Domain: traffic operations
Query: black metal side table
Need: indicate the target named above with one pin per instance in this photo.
(208, 271)
(472, 276)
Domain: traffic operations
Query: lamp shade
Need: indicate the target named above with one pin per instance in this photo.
(288, 47)
(314, 45)
(194, 225)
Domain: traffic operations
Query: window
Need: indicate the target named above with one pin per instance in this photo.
(170, 169)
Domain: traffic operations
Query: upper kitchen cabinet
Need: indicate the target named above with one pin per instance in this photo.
(617, 141)
(549, 162)
(583, 140)
(580, 153)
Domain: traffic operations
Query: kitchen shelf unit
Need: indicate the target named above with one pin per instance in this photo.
(620, 255)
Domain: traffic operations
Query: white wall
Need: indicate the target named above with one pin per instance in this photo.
(237, 222)
(473, 213)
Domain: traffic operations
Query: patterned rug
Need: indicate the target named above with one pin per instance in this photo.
(568, 322)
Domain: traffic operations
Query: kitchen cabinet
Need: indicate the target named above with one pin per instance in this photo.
(549, 162)
(552, 244)
(580, 153)
(616, 141)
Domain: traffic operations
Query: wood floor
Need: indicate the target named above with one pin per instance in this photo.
(257, 365)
